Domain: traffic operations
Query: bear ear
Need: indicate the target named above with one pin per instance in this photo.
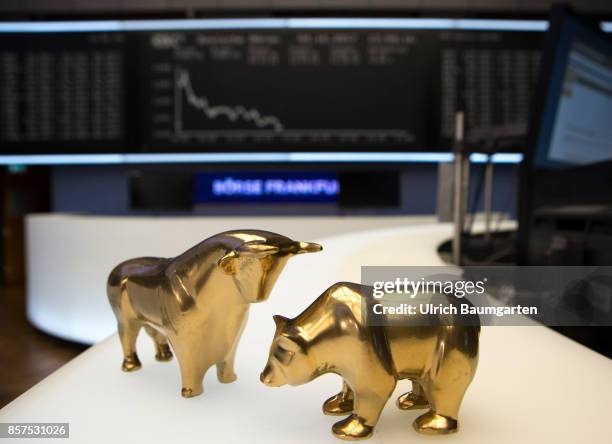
(280, 321)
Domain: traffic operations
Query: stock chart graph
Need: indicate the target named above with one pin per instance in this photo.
(244, 88)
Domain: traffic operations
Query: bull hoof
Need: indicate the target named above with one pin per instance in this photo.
(227, 378)
(433, 424)
(164, 354)
(339, 404)
(352, 428)
(410, 401)
(131, 363)
(190, 392)
(225, 373)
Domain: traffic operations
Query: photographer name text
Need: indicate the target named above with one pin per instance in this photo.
(463, 309)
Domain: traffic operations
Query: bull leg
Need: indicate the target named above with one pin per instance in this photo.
(225, 367)
(128, 332)
(341, 403)
(369, 403)
(414, 399)
(162, 348)
(192, 366)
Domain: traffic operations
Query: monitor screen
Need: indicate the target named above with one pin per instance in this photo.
(575, 126)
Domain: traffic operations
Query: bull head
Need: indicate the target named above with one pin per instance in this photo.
(253, 249)
(255, 265)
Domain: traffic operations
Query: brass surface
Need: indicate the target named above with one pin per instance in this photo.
(331, 336)
(198, 302)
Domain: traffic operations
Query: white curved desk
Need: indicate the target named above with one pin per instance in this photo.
(69, 257)
(532, 386)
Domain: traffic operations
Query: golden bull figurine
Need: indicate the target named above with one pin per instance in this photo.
(199, 301)
(330, 336)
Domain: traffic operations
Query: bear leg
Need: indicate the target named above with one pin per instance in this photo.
(369, 401)
(445, 398)
(352, 428)
(452, 371)
(414, 399)
(432, 423)
(341, 403)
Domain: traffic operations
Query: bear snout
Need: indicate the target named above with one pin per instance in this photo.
(268, 377)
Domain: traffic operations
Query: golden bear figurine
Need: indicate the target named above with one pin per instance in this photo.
(331, 336)
(198, 301)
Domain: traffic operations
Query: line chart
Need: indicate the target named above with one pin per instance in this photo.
(184, 91)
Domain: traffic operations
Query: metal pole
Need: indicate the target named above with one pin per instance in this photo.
(488, 198)
(459, 188)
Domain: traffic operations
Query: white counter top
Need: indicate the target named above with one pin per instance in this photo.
(532, 385)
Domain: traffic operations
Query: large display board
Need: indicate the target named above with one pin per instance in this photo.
(491, 77)
(258, 88)
(63, 92)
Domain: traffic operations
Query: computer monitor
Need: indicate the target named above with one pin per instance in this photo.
(574, 126)
(565, 214)
(565, 193)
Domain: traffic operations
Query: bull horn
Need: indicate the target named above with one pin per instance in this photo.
(256, 249)
(280, 321)
(307, 247)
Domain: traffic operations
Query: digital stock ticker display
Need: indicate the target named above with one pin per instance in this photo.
(259, 88)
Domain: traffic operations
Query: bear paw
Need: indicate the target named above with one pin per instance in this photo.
(411, 401)
(432, 423)
(339, 404)
(352, 428)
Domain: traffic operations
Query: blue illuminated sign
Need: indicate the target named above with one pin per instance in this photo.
(266, 187)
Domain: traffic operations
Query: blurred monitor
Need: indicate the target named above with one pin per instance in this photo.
(566, 184)
(565, 214)
(574, 127)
